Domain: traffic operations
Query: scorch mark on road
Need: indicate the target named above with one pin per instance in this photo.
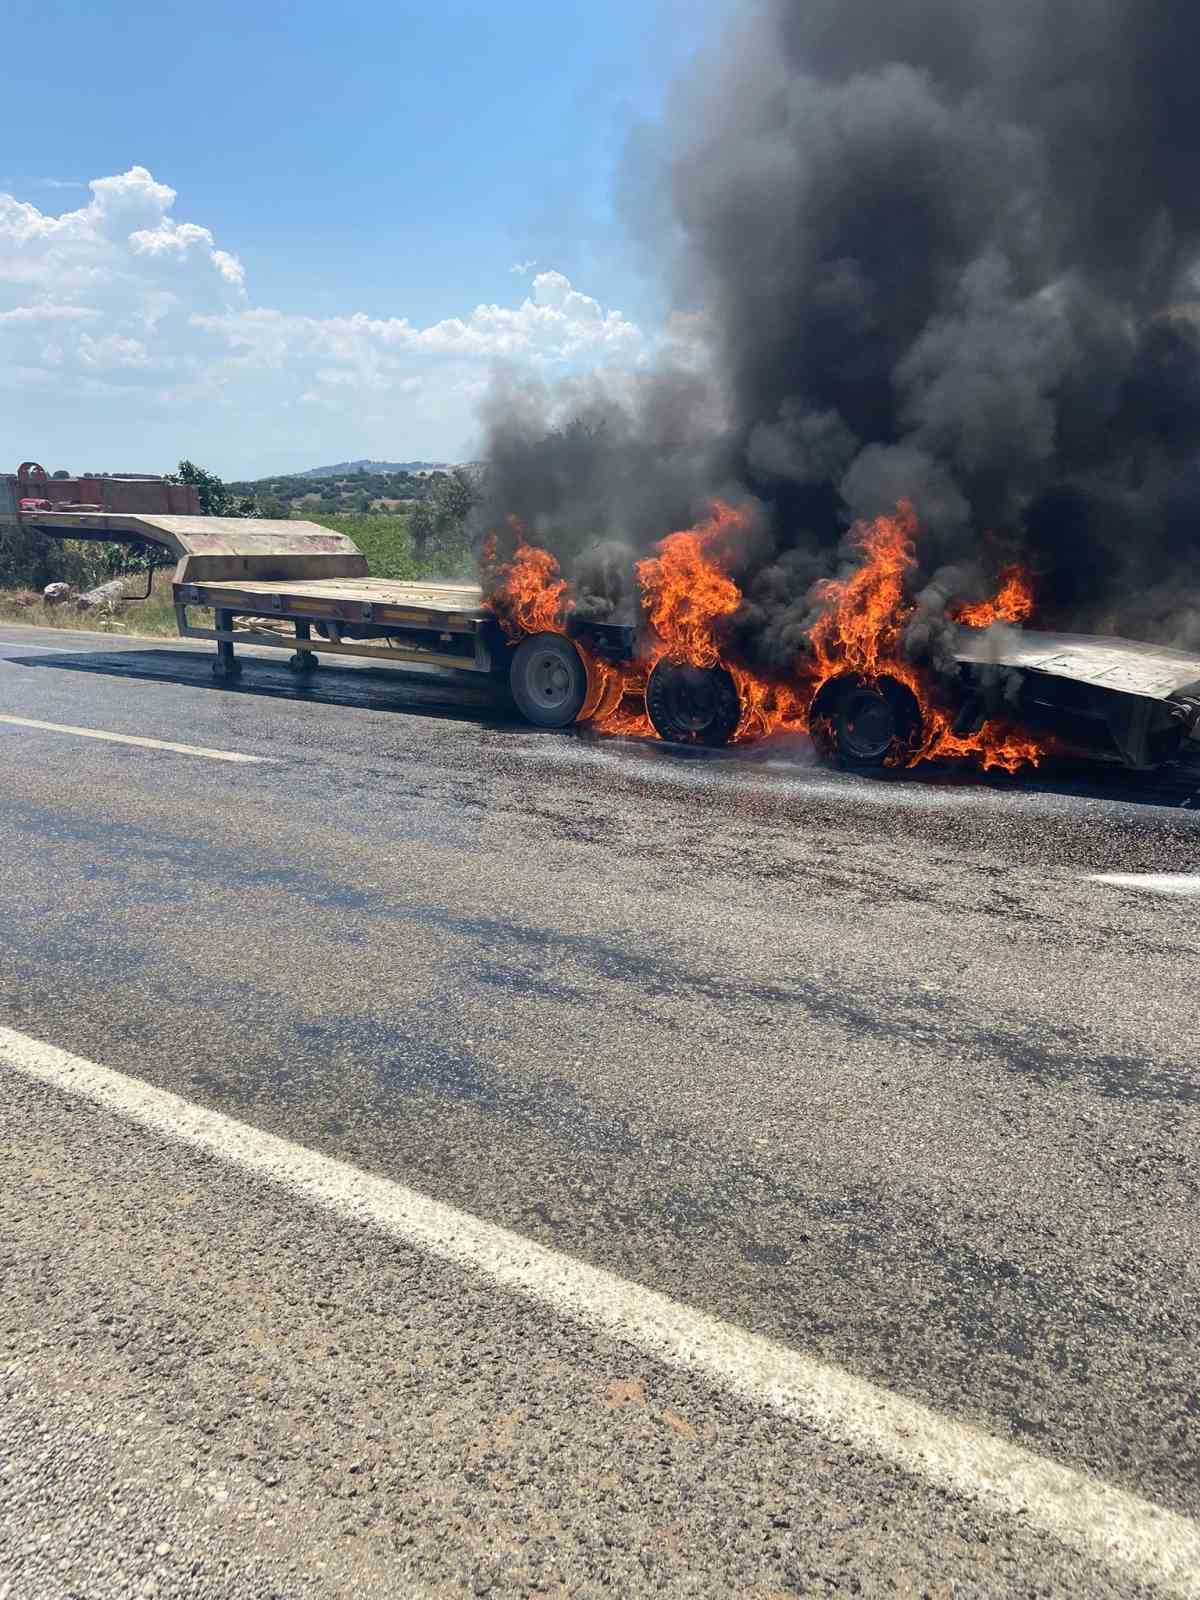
(129, 738)
(1091, 1517)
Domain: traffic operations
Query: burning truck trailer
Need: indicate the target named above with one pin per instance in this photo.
(1002, 695)
(944, 250)
(295, 586)
(1106, 699)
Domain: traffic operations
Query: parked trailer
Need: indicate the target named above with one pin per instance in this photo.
(295, 586)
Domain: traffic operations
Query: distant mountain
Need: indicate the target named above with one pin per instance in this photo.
(343, 469)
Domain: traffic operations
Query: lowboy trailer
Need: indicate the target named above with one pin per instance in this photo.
(295, 586)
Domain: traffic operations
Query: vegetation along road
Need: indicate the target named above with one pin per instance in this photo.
(447, 1158)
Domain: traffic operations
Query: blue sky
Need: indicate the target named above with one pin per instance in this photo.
(391, 161)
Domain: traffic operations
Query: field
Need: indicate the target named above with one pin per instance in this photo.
(388, 548)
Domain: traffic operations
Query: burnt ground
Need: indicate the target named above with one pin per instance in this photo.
(874, 1067)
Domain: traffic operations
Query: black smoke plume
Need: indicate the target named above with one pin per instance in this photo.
(944, 250)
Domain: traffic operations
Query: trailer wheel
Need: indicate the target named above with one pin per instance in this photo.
(693, 705)
(304, 662)
(548, 680)
(862, 725)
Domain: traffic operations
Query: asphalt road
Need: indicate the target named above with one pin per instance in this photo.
(877, 1071)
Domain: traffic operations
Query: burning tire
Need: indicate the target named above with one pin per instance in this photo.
(693, 705)
(605, 690)
(548, 679)
(864, 725)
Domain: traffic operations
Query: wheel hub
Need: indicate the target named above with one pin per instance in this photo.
(866, 725)
(550, 681)
(693, 705)
(692, 700)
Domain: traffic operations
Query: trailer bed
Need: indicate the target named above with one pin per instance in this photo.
(444, 605)
(1152, 671)
(463, 597)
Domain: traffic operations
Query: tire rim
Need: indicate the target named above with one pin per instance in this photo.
(692, 700)
(549, 680)
(866, 725)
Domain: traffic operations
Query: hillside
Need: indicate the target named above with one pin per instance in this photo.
(346, 469)
(355, 491)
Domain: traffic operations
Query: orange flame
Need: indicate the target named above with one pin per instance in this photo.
(689, 600)
(860, 629)
(768, 707)
(997, 745)
(688, 597)
(628, 717)
(860, 634)
(686, 593)
(1014, 603)
(528, 593)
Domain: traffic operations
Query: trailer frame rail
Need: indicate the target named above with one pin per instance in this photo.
(300, 642)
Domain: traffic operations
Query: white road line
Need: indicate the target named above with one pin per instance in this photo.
(129, 738)
(48, 649)
(1177, 883)
(1101, 1522)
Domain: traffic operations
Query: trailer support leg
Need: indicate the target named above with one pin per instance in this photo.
(225, 666)
(304, 660)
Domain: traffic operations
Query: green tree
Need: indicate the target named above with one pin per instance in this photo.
(422, 524)
(453, 497)
(28, 561)
(216, 500)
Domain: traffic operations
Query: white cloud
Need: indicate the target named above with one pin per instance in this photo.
(229, 267)
(48, 312)
(554, 326)
(523, 268)
(151, 317)
(42, 183)
(112, 351)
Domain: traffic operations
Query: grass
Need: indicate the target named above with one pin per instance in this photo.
(153, 618)
(384, 540)
(387, 545)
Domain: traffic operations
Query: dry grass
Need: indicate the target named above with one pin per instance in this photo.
(148, 619)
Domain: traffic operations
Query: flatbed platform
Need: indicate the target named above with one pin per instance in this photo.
(1153, 671)
(447, 606)
(463, 598)
(437, 624)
